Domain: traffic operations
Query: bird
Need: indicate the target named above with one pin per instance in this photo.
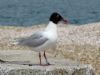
(40, 41)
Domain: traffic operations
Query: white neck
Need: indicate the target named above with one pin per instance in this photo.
(51, 26)
(51, 31)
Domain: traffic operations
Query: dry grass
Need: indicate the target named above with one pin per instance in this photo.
(78, 43)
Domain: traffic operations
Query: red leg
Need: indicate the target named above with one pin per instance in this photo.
(46, 59)
(40, 57)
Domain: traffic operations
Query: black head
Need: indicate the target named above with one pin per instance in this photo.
(56, 17)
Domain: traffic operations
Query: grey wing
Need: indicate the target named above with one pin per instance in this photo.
(36, 35)
(33, 41)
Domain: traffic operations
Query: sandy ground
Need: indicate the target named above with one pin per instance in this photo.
(78, 43)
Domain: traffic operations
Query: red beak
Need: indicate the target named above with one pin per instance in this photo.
(65, 21)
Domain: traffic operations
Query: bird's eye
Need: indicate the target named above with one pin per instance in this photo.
(57, 15)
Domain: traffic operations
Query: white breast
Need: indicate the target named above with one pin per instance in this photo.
(51, 35)
(51, 31)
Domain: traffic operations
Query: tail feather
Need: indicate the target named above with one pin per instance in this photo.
(15, 41)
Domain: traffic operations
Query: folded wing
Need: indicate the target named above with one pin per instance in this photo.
(34, 40)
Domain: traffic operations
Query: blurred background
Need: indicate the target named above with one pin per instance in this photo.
(78, 41)
(33, 12)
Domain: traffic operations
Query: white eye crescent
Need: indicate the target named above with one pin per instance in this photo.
(57, 15)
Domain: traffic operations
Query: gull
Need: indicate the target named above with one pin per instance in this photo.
(42, 40)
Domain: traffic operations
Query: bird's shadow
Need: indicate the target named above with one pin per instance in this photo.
(28, 63)
(20, 63)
